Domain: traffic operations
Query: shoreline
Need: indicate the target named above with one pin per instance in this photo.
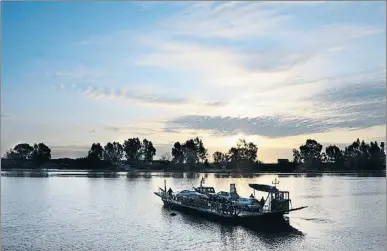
(211, 171)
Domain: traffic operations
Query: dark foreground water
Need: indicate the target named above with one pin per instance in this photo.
(83, 213)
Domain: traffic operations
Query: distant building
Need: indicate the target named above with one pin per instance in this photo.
(283, 161)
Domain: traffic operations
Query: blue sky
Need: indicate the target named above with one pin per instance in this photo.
(276, 73)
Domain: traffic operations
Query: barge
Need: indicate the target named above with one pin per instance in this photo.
(229, 207)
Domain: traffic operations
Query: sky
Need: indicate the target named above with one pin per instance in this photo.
(274, 73)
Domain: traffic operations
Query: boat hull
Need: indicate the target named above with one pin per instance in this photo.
(265, 220)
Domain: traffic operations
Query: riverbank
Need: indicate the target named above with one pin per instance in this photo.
(216, 172)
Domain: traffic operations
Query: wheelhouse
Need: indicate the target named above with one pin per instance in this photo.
(205, 190)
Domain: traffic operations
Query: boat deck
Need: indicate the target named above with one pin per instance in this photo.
(215, 208)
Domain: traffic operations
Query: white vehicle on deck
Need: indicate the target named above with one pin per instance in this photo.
(223, 194)
(189, 194)
(248, 203)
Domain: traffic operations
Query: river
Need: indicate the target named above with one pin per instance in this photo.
(78, 212)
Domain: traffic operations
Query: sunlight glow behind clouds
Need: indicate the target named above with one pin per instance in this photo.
(259, 69)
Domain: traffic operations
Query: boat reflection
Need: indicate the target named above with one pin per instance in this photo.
(265, 232)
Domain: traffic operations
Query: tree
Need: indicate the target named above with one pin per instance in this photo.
(95, 152)
(234, 154)
(200, 150)
(132, 148)
(178, 153)
(21, 151)
(297, 156)
(148, 151)
(40, 154)
(166, 157)
(244, 151)
(10, 154)
(220, 159)
(191, 152)
(333, 154)
(382, 155)
(356, 155)
(217, 156)
(377, 156)
(243, 154)
(113, 152)
(311, 151)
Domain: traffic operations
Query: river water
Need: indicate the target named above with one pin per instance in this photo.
(120, 213)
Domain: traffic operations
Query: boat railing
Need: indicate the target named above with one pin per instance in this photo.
(212, 206)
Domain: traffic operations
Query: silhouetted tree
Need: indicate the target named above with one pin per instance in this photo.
(166, 157)
(40, 154)
(333, 154)
(234, 154)
(297, 156)
(10, 154)
(220, 158)
(244, 151)
(363, 156)
(200, 149)
(113, 152)
(132, 149)
(178, 153)
(191, 152)
(217, 156)
(311, 151)
(21, 151)
(147, 150)
(95, 152)
(244, 154)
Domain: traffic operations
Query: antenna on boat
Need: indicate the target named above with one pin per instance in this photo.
(165, 185)
(275, 182)
(201, 182)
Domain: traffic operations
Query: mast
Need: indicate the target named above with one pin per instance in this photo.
(275, 182)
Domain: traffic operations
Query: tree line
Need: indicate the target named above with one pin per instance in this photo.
(192, 153)
(135, 152)
(357, 156)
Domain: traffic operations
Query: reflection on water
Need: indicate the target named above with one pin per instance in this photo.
(271, 236)
(118, 211)
(195, 220)
(176, 175)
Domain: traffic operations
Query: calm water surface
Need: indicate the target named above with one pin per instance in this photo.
(82, 213)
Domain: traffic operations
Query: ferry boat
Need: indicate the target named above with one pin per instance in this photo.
(229, 206)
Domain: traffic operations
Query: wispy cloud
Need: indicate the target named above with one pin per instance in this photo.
(235, 20)
(138, 96)
(212, 25)
(5, 115)
(358, 103)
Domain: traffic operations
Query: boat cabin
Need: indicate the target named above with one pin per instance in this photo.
(205, 190)
(276, 200)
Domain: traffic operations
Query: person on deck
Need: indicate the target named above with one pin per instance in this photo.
(251, 196)
(262, 201)
(170, 191)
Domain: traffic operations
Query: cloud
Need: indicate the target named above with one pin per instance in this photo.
(5, 115)
(135, 130)
(269, 126)
(273, 48)
(140, 97)
(231, 20)
(359, 102)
